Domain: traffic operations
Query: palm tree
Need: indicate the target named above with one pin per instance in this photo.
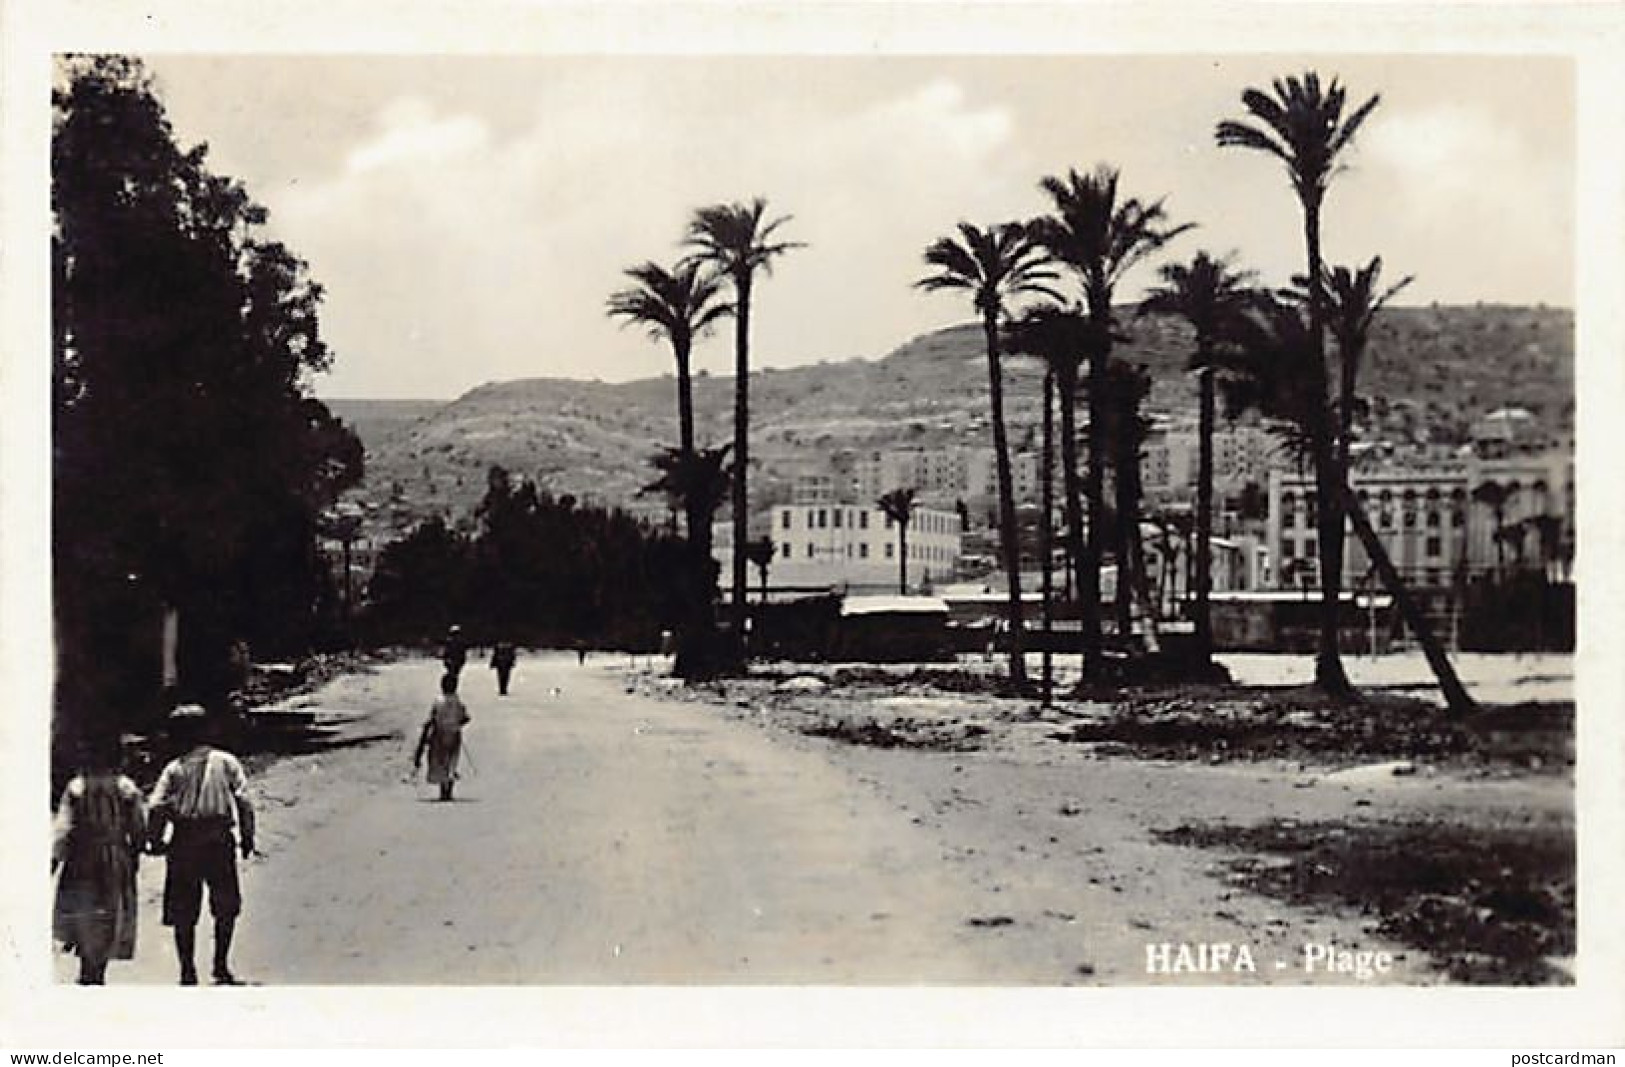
(1100, 239)
(1210, 296)
(1046, 533)
(1128, 385)
(1275, 370)
(1058, 336)
(738, 241)
(898, 504)
(1303, 125)
(761, 553)
(677, 305)
(697, 479)
(994, 265)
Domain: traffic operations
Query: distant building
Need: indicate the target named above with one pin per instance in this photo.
(853, 547)
(1435, 523)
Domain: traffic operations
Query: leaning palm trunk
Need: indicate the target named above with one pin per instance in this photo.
(1455, 694)
(1009, 535)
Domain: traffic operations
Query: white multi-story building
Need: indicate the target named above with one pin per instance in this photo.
(854, 547)
(1434, 522)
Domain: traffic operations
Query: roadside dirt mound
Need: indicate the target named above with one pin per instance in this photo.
(1491, 906)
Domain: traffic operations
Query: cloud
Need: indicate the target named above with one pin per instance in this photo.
(414, 135)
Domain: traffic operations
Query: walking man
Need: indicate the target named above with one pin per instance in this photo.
(503, 657)
(201, 796)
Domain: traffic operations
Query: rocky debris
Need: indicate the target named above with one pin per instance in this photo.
(1231, 723)
(899, 733)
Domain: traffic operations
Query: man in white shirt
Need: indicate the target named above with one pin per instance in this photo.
(201, 795)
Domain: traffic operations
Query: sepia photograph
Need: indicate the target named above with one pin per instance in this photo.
(754, 515)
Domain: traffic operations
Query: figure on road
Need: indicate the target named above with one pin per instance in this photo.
(581, 652)
(503, 657)
(455, 653)
(202, 798)
(442, 737)
(100, 830)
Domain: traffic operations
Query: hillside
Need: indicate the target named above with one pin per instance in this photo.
(1429, 370)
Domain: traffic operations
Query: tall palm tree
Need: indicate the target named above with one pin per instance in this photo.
(1275, 370)
(994, 265)
(1304, 126)
(697, 479)
(1100, 238)
(1046, 532)
(1128, 385)
(898, 505)
(1210, 296)
(1351, 301)
(1059, 336)
(738, 240)
(677, 305)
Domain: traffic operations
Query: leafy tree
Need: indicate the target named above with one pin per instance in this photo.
(1100, 238)
(737, 240)
(1210, 296)
(995, 265)
(1304, 126)
(190, 464)
(898, 506)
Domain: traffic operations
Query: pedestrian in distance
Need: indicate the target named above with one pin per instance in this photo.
(503, 658)
(202, 800)
(455, 651)
(99, 833)
(442, 737)
(581, 653)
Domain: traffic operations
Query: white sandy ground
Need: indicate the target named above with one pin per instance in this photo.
(613, 831)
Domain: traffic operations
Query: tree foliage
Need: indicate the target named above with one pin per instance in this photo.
(538, 570)
(189, 462)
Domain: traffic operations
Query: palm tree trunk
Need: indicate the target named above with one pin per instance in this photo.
(1123, 494)
(1008, 532)
(1455, 694)
(685, 398)
(741, 517)
(1067, 384)
(1204, 513)
(1094, 491)
(902, 558)
(1329, 673)
(1045, 550)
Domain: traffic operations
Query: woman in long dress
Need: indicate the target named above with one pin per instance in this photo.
(100, 827)
(442, 737)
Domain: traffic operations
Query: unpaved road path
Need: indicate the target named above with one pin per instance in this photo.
(610, 834)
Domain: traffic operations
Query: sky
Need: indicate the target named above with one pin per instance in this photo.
(469, 216)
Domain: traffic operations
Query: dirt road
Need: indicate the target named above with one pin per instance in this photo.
(608, 834)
